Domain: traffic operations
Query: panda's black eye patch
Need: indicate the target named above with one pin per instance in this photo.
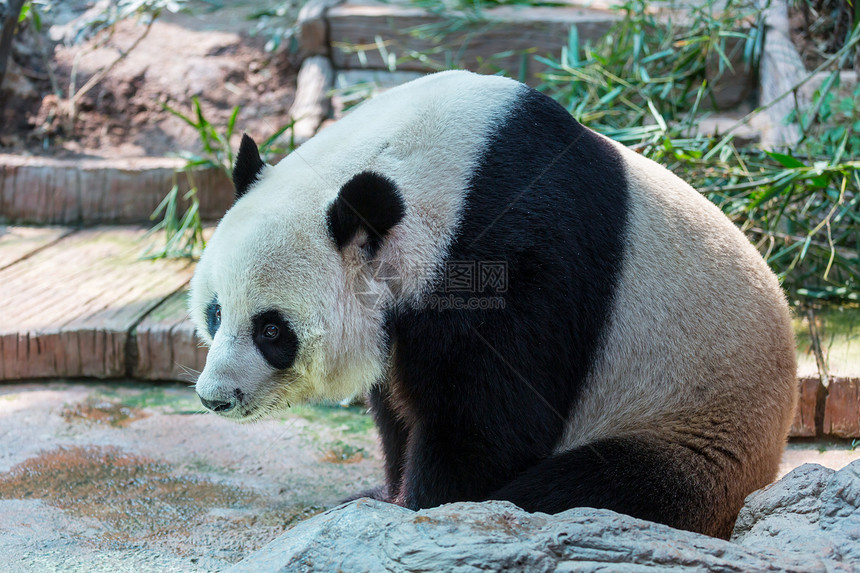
(275, 339)
(213, 317)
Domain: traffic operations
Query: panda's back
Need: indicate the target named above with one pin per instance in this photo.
(625, 281)
(699, 323)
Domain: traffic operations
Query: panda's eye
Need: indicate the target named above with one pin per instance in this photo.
(213, 318)
(275, 339)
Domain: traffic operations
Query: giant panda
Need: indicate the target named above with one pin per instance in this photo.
(638, 354)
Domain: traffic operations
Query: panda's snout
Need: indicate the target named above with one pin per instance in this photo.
(218, 406)
(221, 405)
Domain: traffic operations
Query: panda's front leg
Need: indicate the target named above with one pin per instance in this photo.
(444, 465)
(393, 434)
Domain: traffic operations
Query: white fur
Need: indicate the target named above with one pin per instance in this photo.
(699, 332)
(272, 249)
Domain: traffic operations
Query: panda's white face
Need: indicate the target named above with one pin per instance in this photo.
(404, 159)
(274, 298)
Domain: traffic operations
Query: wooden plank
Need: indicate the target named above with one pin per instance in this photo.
(506, 38)
(72, 305)
(311, 104)
(44, 190)
(167, 347)
(842, 408)
(803, 425)
(17, 243)
(515, 30)
(311, 24)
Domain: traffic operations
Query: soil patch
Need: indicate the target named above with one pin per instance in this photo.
(103, 412)
(134, 496)
(208, 54)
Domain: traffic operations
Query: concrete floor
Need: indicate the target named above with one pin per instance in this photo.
(124, 476)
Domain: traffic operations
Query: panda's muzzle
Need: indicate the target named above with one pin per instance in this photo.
(224, 406)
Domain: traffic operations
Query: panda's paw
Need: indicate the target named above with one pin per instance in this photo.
(379, 493)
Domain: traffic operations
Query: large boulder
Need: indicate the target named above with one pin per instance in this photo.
(812, 511)
(808, 521)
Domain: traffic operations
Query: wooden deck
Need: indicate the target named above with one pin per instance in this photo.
(81, 304)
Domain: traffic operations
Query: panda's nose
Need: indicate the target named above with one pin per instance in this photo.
(217, 405)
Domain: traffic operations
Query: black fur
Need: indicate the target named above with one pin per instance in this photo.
(396, 432)
(280, 351)
(483, 395)
(368, 203)
(246, 170)
(646, 477)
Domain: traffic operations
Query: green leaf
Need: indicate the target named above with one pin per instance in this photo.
(657, 117)
(572, 59)
(180, 115)
(231, 123)
(609, 97)
(785, 160)
(775, 190)
(37, 19)
(264, 147)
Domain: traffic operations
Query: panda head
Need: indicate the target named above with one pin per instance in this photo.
(276, 292)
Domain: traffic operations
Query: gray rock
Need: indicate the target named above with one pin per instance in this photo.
(812, 511)
(809, 521)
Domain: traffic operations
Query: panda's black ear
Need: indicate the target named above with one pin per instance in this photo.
(366, 208)
(246, 170)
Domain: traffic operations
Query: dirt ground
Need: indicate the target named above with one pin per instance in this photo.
(819, 29)
(129, 477)
(124, 476)
(207, 53)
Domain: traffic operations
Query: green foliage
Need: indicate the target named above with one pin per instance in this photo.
(278, 25)
(802, 212)
(647, 84)
(32, 12)
(183, 230)
(832, 118)
(116, 12)
(648, 68)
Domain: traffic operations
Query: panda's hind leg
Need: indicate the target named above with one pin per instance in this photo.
(642, 476)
